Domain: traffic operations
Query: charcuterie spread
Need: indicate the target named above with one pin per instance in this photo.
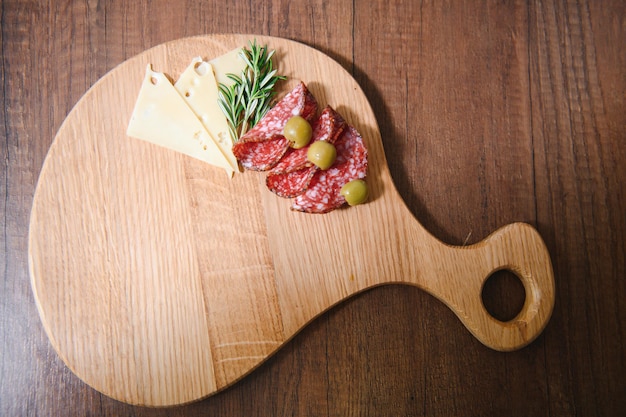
(164, 274)
(227, 120)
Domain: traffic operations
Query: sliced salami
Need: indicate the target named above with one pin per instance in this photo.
(323, 194)
(291, 176)
(264, 145)
(292, 184)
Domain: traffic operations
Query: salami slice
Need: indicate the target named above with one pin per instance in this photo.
(264, 145)
(292, 184)
(323, 194)
(291, 176)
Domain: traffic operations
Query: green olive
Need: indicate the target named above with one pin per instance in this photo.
(298, 132)
(322, 154)
(355, 192)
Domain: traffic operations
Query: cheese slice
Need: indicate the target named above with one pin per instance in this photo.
(198, 86)
(161, 116)
(229, 63)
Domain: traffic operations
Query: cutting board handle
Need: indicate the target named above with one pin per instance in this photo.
(518, 248)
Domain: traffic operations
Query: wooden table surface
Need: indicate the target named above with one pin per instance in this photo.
(490, 113)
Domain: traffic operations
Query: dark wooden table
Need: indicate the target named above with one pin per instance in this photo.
(490, 113)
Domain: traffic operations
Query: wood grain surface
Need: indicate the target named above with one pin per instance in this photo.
(490, 113)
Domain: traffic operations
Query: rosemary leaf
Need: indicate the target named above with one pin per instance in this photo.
(248, 99)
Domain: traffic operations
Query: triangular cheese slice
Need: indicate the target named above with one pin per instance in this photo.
(197, 85)
(229, 63)
(161, 116)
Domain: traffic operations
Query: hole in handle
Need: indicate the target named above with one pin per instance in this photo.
(503, 295)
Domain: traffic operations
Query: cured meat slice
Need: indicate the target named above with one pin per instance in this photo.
(264, 145)
(323, 194)
(289, 185)
(292, 174)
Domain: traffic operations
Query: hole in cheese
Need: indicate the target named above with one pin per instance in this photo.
(202, 68)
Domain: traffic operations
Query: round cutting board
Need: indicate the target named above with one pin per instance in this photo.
(159, 280)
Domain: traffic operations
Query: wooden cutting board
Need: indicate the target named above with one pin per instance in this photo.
(160, 281)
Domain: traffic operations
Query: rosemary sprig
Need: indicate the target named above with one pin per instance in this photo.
(249, 98)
